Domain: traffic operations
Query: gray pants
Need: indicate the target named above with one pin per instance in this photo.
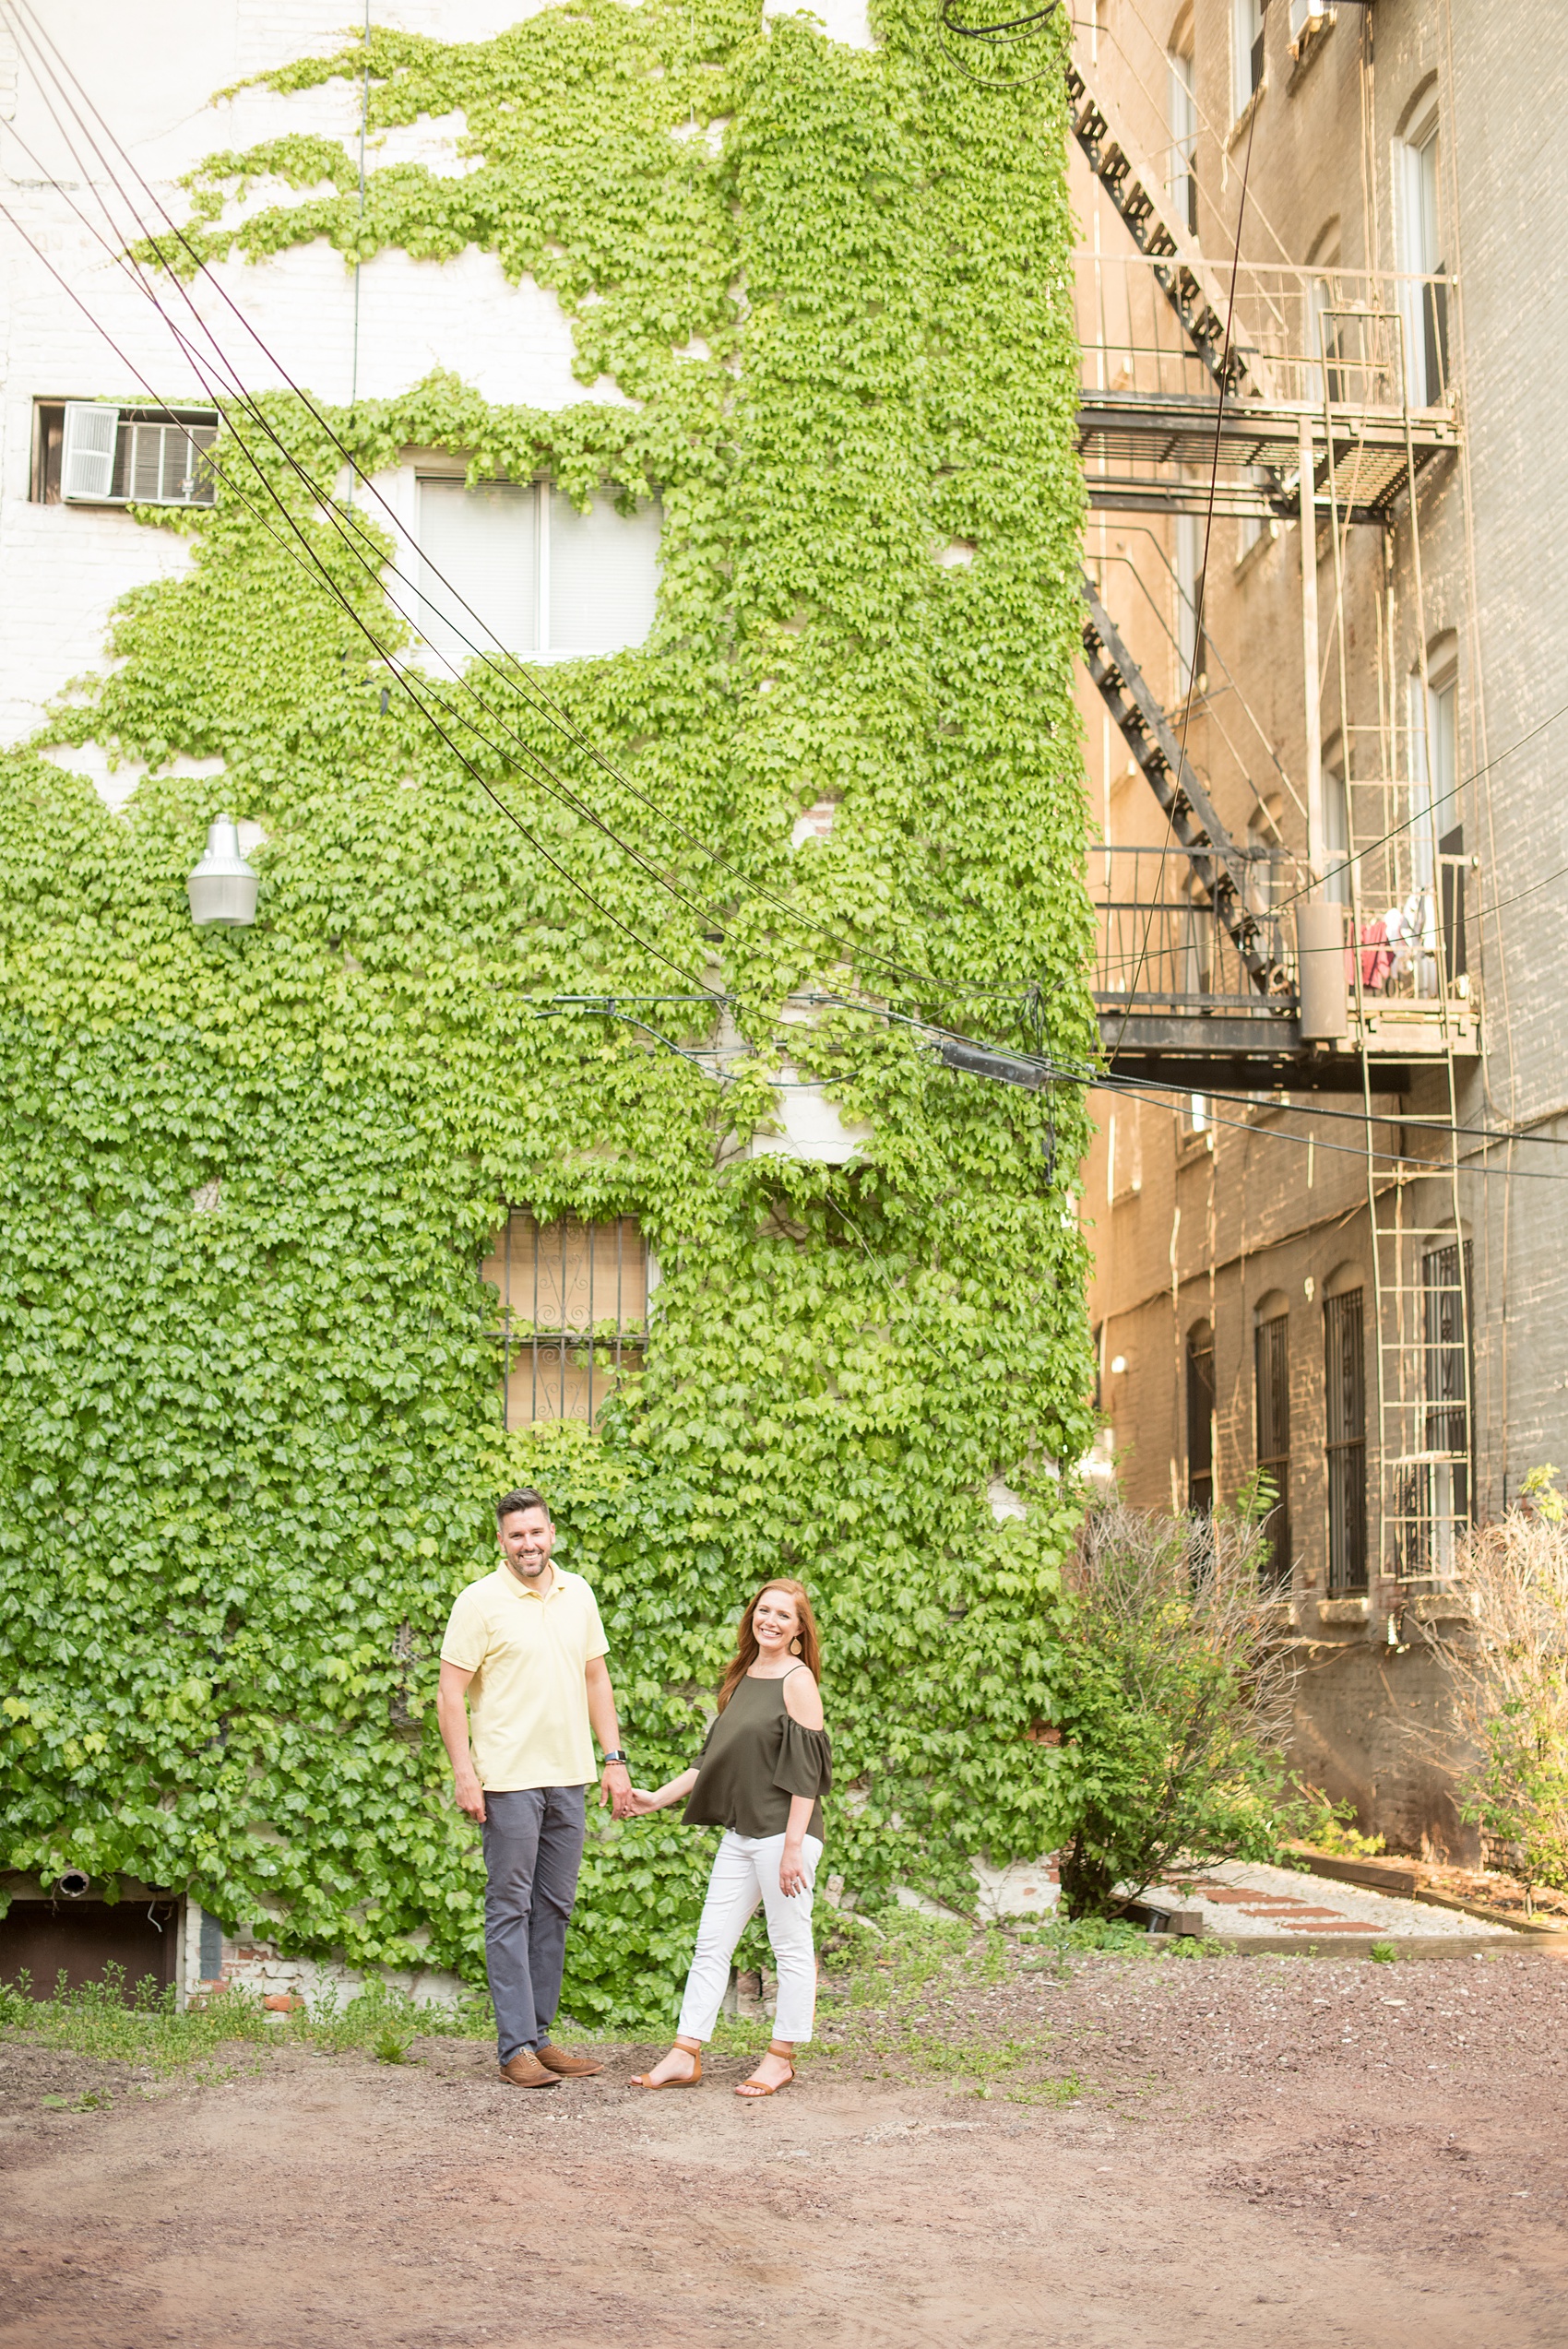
(533, 1848)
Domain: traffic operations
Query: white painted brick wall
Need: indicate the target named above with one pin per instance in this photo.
(61, 569)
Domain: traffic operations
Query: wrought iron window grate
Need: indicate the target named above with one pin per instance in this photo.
(572, 1314)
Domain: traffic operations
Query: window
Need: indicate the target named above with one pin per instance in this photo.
(1190, 648)
(1197, 946)
(1434, 761)
(541, 580)
(1253, 529)
(1329, 333)
(1123, 1153)
(1200, 1420)
(1451, 892)
(1345, 1394)
(1246, 54)
(573, 1313)
(1181, 108)
(1425, 300)
(87, 453)
(1271, 1353)
(1337, 835)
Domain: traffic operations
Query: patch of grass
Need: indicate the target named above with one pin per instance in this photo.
(1191, 1945)
(1064, 2091)
(1060, 1941)
(902, 1948)
(895, 2001)
(1382, 1953)
(113, 2022)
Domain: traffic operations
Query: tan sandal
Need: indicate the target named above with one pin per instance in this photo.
(692, 2079)
(754, 2088)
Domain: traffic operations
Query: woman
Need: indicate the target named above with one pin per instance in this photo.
(763, 1770)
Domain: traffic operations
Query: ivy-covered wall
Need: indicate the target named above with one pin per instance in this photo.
(250, 1425)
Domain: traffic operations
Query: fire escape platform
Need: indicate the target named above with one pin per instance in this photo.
(1244, 1051)
(1361, 461)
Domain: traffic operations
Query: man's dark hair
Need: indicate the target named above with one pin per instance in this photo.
(510, 1503)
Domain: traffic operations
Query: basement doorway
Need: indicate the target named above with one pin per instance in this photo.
(47, 1935)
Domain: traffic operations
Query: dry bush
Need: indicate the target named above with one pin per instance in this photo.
(1509, 1673)
(1176, 1702)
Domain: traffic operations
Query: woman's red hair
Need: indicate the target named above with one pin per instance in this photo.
(747, 1650)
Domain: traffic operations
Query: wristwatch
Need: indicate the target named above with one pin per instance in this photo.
(616, 1756)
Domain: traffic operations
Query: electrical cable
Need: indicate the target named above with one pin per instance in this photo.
(1002, 33)
(1483, 913)
(553, 781)
(1413, 1165)
(1050, 1072)
(1439, 799)
(402, 677)
(1436, 1126)
(1076, 1077)
(318, 571)
(529, 689)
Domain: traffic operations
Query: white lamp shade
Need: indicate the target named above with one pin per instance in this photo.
(222, 888)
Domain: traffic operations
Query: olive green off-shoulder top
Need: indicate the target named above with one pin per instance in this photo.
(755, 1757)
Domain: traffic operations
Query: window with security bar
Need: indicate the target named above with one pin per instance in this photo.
(92, 452)
(1271, 1345)
(572, 1314)
(1345, 1398)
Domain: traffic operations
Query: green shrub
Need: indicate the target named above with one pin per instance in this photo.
(1306, 1815)
(1174, 1696)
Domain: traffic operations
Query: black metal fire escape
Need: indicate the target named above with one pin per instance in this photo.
(1155, 451)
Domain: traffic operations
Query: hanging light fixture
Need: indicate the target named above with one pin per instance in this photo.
(222, 888)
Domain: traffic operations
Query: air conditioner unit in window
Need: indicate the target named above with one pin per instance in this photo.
(1308, 18)
(111, 458)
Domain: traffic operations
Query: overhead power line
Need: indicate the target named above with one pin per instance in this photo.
(962, 1053)
(527, 687)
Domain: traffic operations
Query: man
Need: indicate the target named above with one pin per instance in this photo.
(526, 1648)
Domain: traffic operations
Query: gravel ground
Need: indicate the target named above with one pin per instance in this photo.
(1275, 2151)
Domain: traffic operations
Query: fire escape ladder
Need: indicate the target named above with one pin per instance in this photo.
(1180, 270)
(1151, 739)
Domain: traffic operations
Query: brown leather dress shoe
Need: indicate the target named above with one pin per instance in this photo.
(569, 2067)
(525, 2071)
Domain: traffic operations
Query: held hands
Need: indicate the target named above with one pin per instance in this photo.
(615, 1788)
(792, 1871)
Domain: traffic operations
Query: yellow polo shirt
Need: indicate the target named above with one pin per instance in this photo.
(527, 1701)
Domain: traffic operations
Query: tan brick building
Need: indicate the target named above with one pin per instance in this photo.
(1314, 1254)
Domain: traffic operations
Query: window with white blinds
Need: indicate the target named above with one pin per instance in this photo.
(539, 579)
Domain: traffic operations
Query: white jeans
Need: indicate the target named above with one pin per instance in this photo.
(745, 1870)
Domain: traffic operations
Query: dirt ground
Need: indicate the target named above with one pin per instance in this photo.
(1261, 2150)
